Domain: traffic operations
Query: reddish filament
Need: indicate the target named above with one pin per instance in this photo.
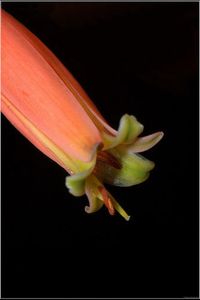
(107, 200)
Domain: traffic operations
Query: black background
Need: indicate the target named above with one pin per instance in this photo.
(136, 58)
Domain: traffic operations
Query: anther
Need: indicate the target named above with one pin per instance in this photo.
(107, 200)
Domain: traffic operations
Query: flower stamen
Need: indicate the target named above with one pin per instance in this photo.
(107, 200)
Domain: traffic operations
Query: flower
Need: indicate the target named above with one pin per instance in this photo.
(47, 105)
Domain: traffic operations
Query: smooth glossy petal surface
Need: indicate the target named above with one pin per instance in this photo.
(37, 92)
(43, 143)
(67, 78)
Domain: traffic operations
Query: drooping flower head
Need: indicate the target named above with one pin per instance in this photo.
(48, 106)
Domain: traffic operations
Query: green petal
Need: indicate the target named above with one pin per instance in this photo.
(76, 183)
(93, 194)
(129, 129)
(134, 168)
(145, 143)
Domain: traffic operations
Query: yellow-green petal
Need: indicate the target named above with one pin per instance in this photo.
(145, 143)
(92, 191)
(129, 129)
(134, 168)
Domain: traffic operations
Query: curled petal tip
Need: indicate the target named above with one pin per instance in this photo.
(128, 131)
(92, 191)
(147, 142)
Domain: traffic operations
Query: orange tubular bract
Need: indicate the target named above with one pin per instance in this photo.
(47, 105)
